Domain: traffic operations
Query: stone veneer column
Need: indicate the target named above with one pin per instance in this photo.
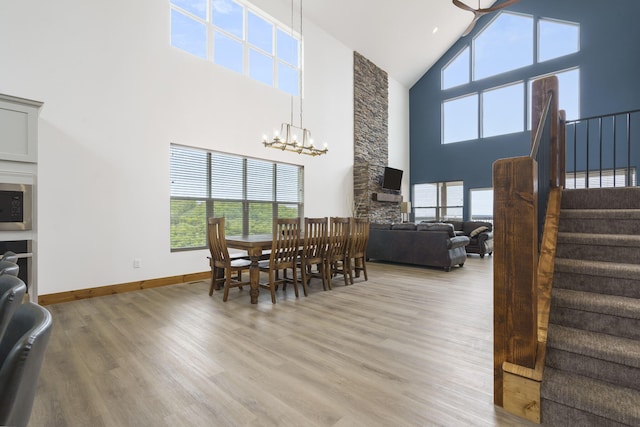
(370, 134)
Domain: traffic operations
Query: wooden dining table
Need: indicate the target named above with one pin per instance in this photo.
(254, 245)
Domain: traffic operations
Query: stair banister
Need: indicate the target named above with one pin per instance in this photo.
(517, 186)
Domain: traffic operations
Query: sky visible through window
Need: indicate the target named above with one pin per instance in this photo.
(239, 37)
(557, 39)
(503, 110)
(506, 45)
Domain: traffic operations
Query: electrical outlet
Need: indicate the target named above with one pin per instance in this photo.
(137, 263)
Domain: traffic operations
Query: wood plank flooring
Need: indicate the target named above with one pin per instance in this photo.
(410, 347)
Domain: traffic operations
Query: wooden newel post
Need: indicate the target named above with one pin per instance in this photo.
(515, 198)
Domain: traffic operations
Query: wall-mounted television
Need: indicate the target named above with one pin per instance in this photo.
(392, 179)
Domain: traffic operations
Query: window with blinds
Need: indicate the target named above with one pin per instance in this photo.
(247, 192)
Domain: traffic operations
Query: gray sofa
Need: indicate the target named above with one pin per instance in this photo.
(433, 245)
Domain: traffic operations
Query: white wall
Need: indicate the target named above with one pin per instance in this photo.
(116, 95)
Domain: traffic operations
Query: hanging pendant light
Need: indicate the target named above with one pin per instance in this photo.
(295, 138)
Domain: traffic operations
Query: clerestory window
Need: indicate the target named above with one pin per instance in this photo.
(496, 68)
(240, 37)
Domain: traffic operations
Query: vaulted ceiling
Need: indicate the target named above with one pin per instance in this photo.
(400, 36)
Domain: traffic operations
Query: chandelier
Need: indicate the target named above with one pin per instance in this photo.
(290, 142)
(288, 137)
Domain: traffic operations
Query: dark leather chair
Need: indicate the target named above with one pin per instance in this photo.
(21, 353)
(9, 268)
(12, 291)
(9, 256)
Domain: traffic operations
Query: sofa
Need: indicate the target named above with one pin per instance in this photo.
(433, 245)
(480, 236)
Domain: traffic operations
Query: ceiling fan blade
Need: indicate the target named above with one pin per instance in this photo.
(499, 6)
(463, 6)
(470, 27)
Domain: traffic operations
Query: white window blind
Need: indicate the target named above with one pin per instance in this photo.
(248, 192)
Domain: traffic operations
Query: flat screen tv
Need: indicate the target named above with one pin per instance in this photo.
(392, 179)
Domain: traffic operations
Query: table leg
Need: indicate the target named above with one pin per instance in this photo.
(254, 274)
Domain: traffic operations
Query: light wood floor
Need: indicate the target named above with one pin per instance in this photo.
(410, 347)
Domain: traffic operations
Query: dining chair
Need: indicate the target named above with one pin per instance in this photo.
(336, 261)
(223, 267)
(12, 290)
(21, 352)
(284, 255)
(9, 268)
(359, 237)
(314, 250)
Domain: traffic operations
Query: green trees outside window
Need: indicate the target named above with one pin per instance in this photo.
(205, 184)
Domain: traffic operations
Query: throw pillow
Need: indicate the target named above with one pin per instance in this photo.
(478, 231)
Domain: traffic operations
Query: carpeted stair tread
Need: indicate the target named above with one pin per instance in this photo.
(598, 268)
(597, 303)
(556, 415)
(622, 351)
(603, 399)
(607, 214)
(617, 240)
(598, 198)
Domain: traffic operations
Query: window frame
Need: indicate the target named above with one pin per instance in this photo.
(481, 217)
(212, 31)
(209, 199)
(486, 84)
(441, 209)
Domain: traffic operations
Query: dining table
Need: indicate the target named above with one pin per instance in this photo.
(254, 245)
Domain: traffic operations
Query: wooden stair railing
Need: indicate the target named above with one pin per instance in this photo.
(523, 269)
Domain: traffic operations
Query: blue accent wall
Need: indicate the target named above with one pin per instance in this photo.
(609, 61)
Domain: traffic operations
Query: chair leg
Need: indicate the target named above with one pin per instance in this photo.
(272, 286)
(295, 281)
(364, 269)
(213, 280)
(227, 285)
(240, 278)
(323, 275)
(349, 268)
(327, 273)
(303, 272)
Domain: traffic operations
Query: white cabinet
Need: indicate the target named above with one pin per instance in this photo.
(18, 165)
(18, 129)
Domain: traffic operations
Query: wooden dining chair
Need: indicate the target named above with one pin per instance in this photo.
(336, 261)
(223, 267)
(284, 255)
(358, 239)
(314, 250)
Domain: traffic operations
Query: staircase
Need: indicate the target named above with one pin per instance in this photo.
(592, 372)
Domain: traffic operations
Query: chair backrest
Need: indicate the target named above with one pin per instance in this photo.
(9, 268)
(359, 237)
(217, 242)
(285, 246)
(21, 352)
(12, 291)
(339, 229)
(316, 236)
(9, 256)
